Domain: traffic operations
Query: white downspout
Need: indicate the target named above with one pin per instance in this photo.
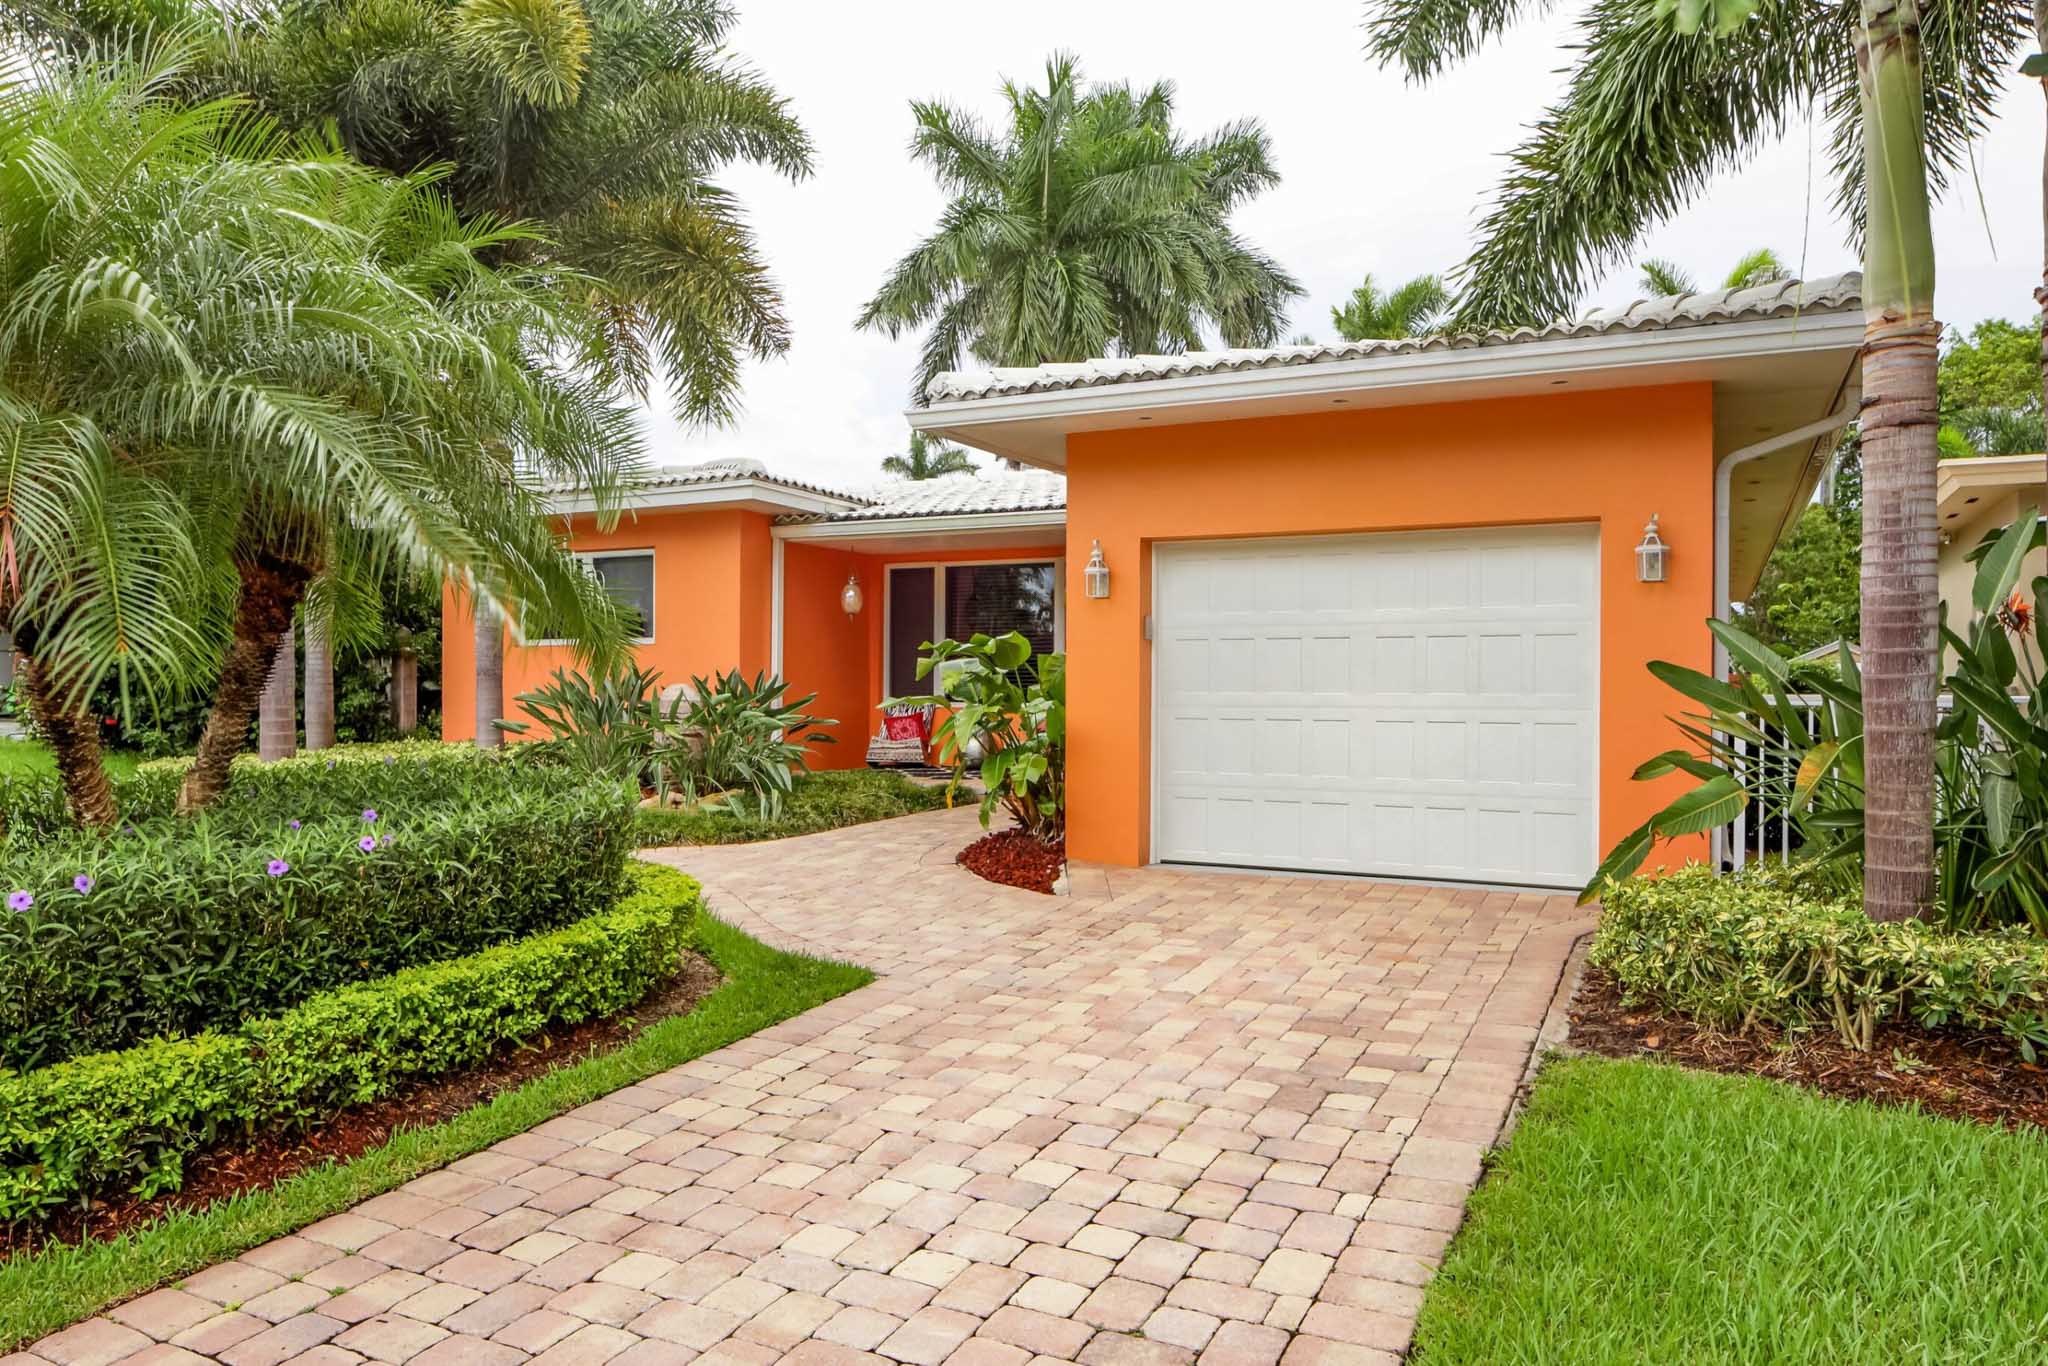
(775, 606)
(1724, 482)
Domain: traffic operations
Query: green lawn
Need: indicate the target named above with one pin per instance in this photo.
(42, 1292)
(822, 801)
(28, 758)
(1645, 1213)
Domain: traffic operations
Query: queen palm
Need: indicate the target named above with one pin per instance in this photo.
(1653, 109)
(1409, 309)
(604, 121)
(1760, 267)
(1089, 226)
(232, 368)
(928, 458)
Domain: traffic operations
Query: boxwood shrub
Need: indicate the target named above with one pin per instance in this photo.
(308, 879)
(1768, 945)
(128, 1120)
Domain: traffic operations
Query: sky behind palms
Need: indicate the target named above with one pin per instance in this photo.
(1378, 176)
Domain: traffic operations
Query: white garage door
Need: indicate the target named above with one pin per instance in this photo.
(1404, 705)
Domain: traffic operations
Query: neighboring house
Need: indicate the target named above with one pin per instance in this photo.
(1976, 496)
(1374, 607)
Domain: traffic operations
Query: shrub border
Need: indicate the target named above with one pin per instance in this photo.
(45, 1291)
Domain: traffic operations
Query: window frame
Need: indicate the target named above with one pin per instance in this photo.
(588, 559)
(1058, 564)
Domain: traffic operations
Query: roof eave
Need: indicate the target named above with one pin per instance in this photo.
(929, 524)
(755, 495)
(1408, 377)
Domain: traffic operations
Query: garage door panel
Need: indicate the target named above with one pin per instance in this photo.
(1406, 705)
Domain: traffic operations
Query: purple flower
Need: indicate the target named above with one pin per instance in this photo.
(390, 758)
(278, 867)
(20, 900)
(387, 841)
(369, 815)
(367, 843)
(295, 825)
(83, 883)
(330, 763)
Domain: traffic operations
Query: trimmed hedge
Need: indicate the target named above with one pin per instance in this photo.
(188, 924)
(128, 1120)
(1768, 945)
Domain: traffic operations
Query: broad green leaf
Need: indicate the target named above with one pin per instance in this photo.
(1750, 654)
(1621, 861)
(2000, 567)
(2001, 796)
(1712, 804)
(1997, 709)
(1675, 761)
(1010, 652)
(1701, 688)
(1812, 769)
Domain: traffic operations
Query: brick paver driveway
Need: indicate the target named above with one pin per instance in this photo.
(1173, 1116)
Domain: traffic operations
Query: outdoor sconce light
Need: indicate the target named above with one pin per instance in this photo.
(849, 596)
(1651, 555)
(1095, 578)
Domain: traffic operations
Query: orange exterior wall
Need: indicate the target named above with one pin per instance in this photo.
(711, 593)
(841, 659)
(1611, 458)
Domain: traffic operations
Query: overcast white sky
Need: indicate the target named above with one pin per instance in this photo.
(1379, 176)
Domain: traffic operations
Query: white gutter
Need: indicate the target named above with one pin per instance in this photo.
(1724, 480)
(854, 528)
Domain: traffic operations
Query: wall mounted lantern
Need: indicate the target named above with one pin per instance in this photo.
(849, 596)
(1095, 578)
(1651, 555)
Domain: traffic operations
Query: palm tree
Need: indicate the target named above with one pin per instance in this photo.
(1090, 226)
(1410, 309)
(232, 368)
(928, 459)
(1661, 277)
(1652, 110)
(605, 123)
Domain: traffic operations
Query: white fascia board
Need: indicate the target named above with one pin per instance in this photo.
(755, 493)
(1504, 361)
(1052, 519)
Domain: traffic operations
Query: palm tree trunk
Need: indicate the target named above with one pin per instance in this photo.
(277, 710)
(490, 674)
(1901, 595)
(75, 741)
(319, 686)
(270, 593)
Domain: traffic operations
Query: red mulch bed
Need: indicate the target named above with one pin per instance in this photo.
(1960, 1076)
(1015, 859)
(237, 1169)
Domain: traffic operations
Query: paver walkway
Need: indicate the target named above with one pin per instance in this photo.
(1176, 1115)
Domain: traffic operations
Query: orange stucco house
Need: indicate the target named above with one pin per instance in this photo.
(1374, 608)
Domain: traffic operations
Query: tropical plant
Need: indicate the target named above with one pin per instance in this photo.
(1409, 309)
(235, 369)
(1089, 226)
(1791, 743)
(744, 739)
(607, 123)
(607, 725)
(928, 458)
(1653, 109)
(1990, 390)
(1661, 277)
(1010, 708)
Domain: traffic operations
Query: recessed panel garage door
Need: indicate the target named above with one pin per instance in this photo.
(1409, 705)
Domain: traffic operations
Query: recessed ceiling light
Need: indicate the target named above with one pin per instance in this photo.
(1554, 383)
(1340, 400)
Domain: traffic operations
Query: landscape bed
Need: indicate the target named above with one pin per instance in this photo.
(1015, 858)
(825, 800)
(1644, 1212)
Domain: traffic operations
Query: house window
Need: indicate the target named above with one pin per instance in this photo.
(628, 576)
(934, 602)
